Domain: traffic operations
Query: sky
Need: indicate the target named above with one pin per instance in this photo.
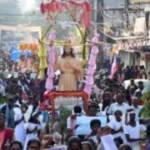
(15, 6)
(9, 8)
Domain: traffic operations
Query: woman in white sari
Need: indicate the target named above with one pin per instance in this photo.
(32, 128)
(19, 133)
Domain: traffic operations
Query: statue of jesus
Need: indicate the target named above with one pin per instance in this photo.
(70, 68)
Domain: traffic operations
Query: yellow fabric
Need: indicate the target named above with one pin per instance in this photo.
(112, 53)
(41, 73)
(42, 53)
(83, 62)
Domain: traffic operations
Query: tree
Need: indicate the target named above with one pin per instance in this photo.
(145, 112)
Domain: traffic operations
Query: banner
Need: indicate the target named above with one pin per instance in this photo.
(83, 124)
(140, 26)
(108, 142)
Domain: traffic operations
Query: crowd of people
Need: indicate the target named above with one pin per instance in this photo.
(24, 126)
(136, 72)
(126, 73)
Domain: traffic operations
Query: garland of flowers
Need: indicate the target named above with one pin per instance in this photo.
(24, 46)
(91, 65)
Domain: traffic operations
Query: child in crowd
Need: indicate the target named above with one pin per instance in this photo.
(95, 133)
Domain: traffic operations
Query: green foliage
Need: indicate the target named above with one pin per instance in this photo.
(64, 114)
(145, 112)
(146, 96)
(3, 100)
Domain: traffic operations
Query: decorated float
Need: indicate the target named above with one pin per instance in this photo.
(26, 57)
(58, 98)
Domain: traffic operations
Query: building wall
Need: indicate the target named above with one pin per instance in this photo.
(126, 57)
(147, 66)
(129, 58)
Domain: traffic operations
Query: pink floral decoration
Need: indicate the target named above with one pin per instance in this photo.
(92, 63)
(51, 61)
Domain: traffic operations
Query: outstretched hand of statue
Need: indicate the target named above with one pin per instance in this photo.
(75, 67)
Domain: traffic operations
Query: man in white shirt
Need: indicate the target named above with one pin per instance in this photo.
(136, 108)
(141, 88)
(119, 105)
(132, 132)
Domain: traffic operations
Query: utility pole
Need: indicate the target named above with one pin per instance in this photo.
(127, 4)
(126, 9)
(100, 19)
